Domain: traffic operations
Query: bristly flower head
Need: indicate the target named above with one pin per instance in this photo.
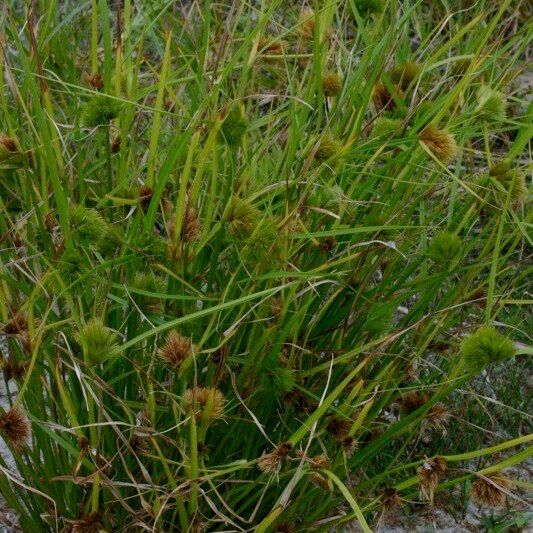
(429, 474)
(88, 226)
(92, 523)
(509, 180)
(100, 111)
(490, 490)
(176, 349)
(71, 267)
(491, 104)
(331, 84)
(8, 148)
(382, 98)
(440, 143)
(148, 282)
(404, 74)
(234, 126)
(328, 148)
(273, 461)
(484, 347)
(438, 417)
(205, 401)
(445, 249)
(241, 217)
(386, 128)
(14, 427)
(96, 341)
(306, 26)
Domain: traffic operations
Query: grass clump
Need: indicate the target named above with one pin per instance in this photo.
(226, 298)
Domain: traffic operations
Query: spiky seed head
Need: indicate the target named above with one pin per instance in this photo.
(386, 128)
(234, 126)
(147, 282)
(412, 401)
(205, 401)
(429, 474)
(88, 226)
(17, 325)
(273, 461)
(145, 197)
(191, 227)
(14, 427)
(285, 527)
(438, 417)
(92, 523)
(459, 67)
(176, 349)
(404, 74)
(441, 143)
(445, 249)
(306, 25)
(491, 104)
(262, 242)
(490, 490)
(12, 369)
(349, 445)
(508, 180)
(339, 427)
(484, 347)
(241, 217)
(390, 499)
(367, 8)
(271, 46)
(320, 481)
(96, 81)
(71, 267)
(328, 148)
(8, 149)
(100, 111)
(382, 98)
(331, 84)
(96, 341)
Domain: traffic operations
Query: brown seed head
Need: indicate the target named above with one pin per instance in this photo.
(176, 349)
(8, 144)
(145, 196)
(17, 325)
(209, 401)
(339, 427)
(272, 462)
(306, 25)
(320, 481)
(410, 402)
(438, 417)
(490, 490)
(390, 499)
(92, 523)
(270, 46)
(350, 445)
(331, 84)
(14, 427)
(382, 98)
(439, 142)
(95, 81)
(429, 474)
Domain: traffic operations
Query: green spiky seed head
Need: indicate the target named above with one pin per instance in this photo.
(88, 226)
(366, 8)
(509, 180)
(262, 242)
(100, 111)
(152, 248)
(147, 288)
(97, 341)
(386, 128)
(484, 347)
(328, 148)
(241, 217)
(331, 84)
(445, 249)
(234, 126)
(404, 74)
(71, 267)
(491, 104)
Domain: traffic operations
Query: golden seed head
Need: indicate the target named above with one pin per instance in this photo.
(490, 490)
(306, 25)
(440, 143)
(271, 46)
(429, 474)
(438, 417)
(320, 481)
(95, 81)
(92, 523)
(272, 462)
(14, 427)
(382, 98)
(191, 228)
(331, 84)
(208, 401)
(411, 402)
(176, 349)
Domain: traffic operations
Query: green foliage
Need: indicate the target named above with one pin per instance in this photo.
(233, 302)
